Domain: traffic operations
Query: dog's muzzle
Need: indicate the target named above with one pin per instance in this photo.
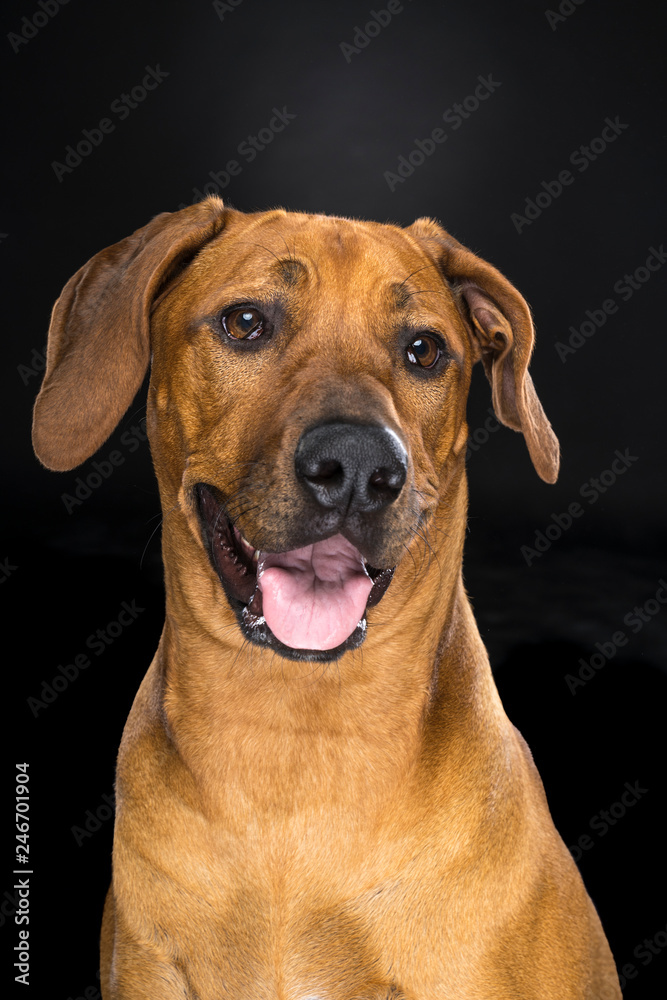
(310, 602)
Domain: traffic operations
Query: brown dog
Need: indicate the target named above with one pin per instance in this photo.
(319, 795)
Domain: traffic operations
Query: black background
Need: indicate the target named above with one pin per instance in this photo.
(66, 574)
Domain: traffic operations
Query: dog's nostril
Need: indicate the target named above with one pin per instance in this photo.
(325, 472)
(384, 481)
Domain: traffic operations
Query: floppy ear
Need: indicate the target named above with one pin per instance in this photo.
(500, 320)
(98, 348)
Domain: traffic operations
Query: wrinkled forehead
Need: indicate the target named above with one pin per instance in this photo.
(283, 250)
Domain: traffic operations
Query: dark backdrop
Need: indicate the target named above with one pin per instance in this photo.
(555, 173)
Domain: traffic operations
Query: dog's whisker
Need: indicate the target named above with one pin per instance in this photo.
(400, 289)
(157, 527)
(290, 255)
(150, 537)
(246, 647)
(425, 291)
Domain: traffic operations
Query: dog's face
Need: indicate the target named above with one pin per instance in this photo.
(307, 397)
(313, 372)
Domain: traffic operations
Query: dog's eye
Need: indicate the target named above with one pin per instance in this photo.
(423, 351)
(243, 324)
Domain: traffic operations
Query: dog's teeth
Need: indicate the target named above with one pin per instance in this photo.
(245, 544)
(256, 555)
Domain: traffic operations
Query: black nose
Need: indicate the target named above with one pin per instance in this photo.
(351, 468)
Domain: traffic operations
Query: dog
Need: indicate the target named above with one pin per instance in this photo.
(319, 795)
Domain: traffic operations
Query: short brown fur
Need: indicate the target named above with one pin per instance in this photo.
(365, 829)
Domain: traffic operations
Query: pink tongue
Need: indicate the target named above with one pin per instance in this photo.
(314, 598)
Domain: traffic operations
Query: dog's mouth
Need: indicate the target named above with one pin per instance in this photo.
(306, 603)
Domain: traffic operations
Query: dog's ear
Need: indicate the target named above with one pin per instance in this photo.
(500, 321)
(98, 349)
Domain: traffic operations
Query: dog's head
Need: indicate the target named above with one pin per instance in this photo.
(307, 400)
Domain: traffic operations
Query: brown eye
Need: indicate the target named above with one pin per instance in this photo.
(423, 351)
(243, 324)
